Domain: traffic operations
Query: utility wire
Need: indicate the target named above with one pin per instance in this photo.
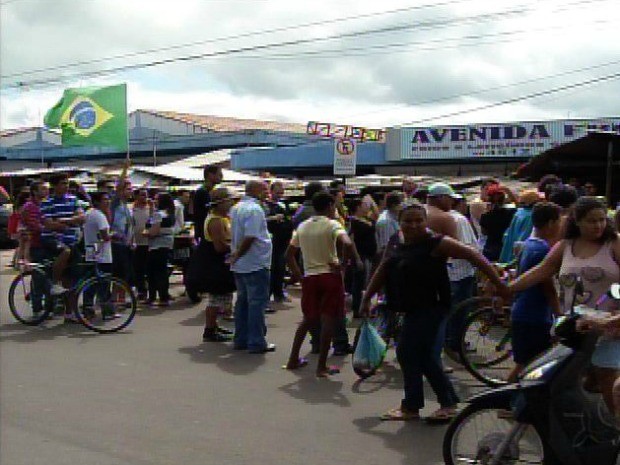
(242, 50)
(301, 26)
(495, 88)
(235, 51)
(530, 96)
(372, 49)
(235, 36)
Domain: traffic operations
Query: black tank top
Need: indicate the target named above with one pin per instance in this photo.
(417, 281)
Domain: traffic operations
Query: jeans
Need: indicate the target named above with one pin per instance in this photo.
(359, 280)
(101, 288)
(158, 274)
(451, 329)
(278, 269)
(39, 281)
(415, 353)
(122, 262)
(252, 300)
(140, 262)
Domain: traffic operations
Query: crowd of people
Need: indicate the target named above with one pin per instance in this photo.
(419, 248)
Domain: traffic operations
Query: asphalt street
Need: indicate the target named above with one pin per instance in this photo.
(156, 394)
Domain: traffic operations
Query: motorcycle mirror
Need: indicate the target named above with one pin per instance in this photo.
(614, 291)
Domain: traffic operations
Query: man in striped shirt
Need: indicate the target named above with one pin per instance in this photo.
(62, 218)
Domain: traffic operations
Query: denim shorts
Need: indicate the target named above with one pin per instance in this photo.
(607, 353)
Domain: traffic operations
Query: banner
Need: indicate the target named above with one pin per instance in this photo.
(344, 131)
(91, 116)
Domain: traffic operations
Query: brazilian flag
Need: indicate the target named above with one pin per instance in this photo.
(91, 116)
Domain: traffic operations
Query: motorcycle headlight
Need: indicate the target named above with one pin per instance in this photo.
(539, 371)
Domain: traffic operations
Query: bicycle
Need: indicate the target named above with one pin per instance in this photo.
(99, 301)
(485, 348)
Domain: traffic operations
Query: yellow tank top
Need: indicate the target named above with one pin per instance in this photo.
(225, 222)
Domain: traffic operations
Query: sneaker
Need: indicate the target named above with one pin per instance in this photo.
(110, 316)
(222, 330)
(58, 289)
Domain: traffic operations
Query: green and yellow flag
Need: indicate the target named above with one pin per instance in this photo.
(91, 116)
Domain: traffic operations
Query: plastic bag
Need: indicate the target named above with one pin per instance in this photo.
(369, 351)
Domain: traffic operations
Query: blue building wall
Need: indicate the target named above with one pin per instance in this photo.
(142, 141)
(312, 156)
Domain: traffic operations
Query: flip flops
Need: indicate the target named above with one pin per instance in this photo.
(397, 414)
(302, 362)
(333, 370)
(441, 417)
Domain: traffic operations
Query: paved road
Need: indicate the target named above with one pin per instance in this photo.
(155, 394)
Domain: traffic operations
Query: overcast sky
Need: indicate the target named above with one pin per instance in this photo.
(377, 68)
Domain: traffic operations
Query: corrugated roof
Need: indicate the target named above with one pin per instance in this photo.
(185, 173)
(204, 159)
(227, 124)
(14, 131)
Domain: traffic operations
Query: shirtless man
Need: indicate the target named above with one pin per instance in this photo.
(439, 204)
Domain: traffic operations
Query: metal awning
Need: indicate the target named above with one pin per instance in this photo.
(594, 157)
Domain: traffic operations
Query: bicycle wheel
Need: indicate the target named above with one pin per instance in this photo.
(105, 304)
(29, 299)
(476, 433)
(486, 348)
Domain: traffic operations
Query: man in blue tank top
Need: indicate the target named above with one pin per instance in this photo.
(533, 309)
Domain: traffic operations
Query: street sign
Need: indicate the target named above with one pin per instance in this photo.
(345, 157)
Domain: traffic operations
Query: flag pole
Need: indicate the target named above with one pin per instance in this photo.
(128, 157)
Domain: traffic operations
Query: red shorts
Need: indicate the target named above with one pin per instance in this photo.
(322, 294)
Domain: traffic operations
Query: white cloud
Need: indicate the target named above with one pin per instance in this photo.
(378, 88)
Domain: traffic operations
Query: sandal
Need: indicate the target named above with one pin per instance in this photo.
(333, 370)
(398, 414)
(441, 416)
(301, 362)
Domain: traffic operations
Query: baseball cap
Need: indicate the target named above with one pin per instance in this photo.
(440, 188)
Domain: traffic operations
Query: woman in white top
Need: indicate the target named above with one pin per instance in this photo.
(591, 251)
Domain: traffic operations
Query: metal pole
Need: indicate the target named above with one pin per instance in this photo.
(608, 174)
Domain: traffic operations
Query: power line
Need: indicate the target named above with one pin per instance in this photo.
(371, 49)
(238, 50)
(288, 28)
(242, 50)
(519, 99)
(495, 88)
(235, 36)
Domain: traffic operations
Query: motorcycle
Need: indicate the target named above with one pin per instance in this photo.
(547, 417)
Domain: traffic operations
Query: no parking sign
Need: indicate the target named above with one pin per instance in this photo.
(345, 157)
